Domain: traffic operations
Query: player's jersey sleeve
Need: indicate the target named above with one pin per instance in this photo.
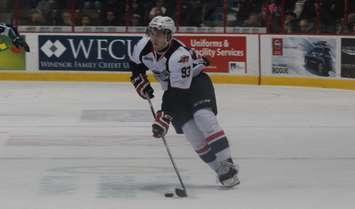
(180, 67)
(6, 30)
(135, 63)
(2, 29)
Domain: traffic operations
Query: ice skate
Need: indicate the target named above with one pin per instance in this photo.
(228, 174)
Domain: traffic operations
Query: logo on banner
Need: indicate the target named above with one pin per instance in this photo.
(280, 69)
(237, 67)
(56, 48)
(277, 46)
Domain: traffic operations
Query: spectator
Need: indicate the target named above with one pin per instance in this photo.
(272, 15)
(87, 5)
(134, 13)
(244, 9)
(328, 16)
(253, 20)
(191, 14)
(51, 10)
(112, 5)
(309, 10)
(307, 26)
(117, 7)
(85, 20)
(298, 8)
(290, 24)
(36, 18)
(158, 9)
(91, 11)
(46, 7)
(98, 5)
(351, 23)
(67, 19)
(157, 12)
(232, 17)
(29, 4)
(290, 5)
(110, 19)
(213, 14)
(54, 17)
(136, 20)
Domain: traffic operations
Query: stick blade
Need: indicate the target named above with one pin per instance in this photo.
(180, 192)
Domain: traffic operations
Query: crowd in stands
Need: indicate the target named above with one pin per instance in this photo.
(278, 16)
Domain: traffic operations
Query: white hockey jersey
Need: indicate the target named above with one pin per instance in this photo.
(175, 68)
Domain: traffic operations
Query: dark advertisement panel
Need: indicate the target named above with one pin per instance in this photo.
(348, 58)
(85, 53)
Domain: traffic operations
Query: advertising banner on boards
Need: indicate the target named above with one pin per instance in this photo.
(304, 56)
(85, 53)
(226, 53)
(348, 57)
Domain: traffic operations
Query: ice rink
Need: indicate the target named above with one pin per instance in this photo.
(89, 146)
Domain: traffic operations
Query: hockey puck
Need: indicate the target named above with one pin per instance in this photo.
(169, 194)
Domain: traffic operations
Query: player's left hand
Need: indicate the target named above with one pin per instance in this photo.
(199, 59)
(161, 124)
(202, 61)
(206, 62)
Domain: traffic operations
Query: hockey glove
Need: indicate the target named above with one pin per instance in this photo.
(142, 86)
(198, 60)
(161, 124)
(202, 61)
(16, 39)
(19, 42)
(206, 62)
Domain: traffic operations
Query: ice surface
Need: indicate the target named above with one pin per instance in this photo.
(89, 146)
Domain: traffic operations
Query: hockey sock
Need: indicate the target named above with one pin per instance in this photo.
(207, 123)
(199, 144)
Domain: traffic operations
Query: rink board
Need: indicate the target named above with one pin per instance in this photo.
(236, 58)
(217, 78)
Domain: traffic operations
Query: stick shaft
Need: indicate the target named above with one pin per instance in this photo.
(168, 150)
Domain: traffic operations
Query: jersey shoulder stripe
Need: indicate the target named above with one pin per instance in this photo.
(176, 46)
(144, 46)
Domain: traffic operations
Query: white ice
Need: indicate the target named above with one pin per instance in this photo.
(89, 146)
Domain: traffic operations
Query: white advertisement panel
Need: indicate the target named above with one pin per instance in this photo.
(300, 56)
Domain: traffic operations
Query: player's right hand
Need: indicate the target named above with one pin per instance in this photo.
(142, 86)
(161, 124)
(19, 42)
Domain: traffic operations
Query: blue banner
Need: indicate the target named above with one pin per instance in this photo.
(85, 53)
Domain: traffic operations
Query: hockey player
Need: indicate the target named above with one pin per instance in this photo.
(188, 101)
(11, 32)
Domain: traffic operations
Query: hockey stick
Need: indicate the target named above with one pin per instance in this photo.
(179, 192)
